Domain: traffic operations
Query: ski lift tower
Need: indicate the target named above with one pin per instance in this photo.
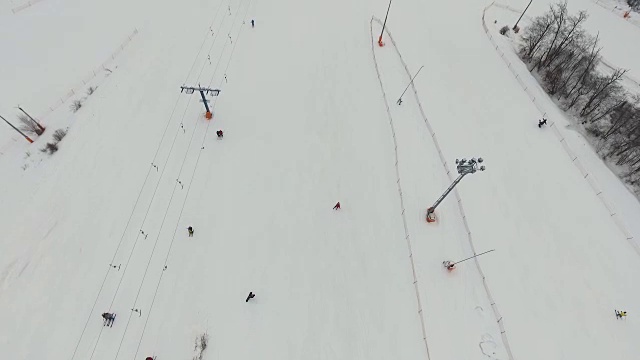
(464, 167)
(203, 91)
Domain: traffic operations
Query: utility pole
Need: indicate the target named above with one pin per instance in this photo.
(203, 91)
(16, 129)
(380, 43)
(410, 82)
(520, 18)
(32, 119)
(464, 168)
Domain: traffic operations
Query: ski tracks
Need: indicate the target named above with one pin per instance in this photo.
(487, 344)
(404, 219)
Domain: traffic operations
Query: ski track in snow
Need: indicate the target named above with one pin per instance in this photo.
(404, 219)
(498, 317)
(24, 6)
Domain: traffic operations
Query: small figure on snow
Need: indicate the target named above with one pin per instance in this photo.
(620, 314)
(253, 23)
(250, 296)
(190, 230)
(337, 207)
(449, 265)
(108, 318)
(220, 134)
(542, 122)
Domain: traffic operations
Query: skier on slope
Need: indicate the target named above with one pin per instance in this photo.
(250, 296)
(542, 122)
(190, 230)
(620, 314)
(220, 134)
(253, 23)
(337, 206)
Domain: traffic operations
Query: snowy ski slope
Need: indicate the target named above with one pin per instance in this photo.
(308, 108)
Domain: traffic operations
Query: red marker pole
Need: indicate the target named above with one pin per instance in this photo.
(16, 129)
(380, 43)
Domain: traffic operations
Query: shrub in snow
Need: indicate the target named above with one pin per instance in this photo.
(28, 126)
(90, 90)
(200, 346)
(59, 135)
(50, 148)
(76, 105)
(204, 340)
(504, 30)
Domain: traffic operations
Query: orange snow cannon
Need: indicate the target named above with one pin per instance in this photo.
(431, 215)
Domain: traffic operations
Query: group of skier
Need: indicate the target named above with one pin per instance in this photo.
(108, 319)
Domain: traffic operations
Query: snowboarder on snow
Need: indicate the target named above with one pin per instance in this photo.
(220, 134)
(620, 314)
(542, 122)
(337, 207)
(190, 230)
(250, 296)
(108, 318)
(253, 23)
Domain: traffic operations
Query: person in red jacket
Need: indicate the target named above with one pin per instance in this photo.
(337, 207)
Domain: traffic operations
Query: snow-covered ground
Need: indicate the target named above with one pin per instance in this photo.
(101, 225)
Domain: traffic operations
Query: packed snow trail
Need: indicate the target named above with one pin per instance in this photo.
(402, 208)
(431, 158)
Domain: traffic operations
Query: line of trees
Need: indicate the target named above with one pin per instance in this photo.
(567, 62)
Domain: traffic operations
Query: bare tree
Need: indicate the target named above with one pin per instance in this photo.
(585, 65)
(559, 14)
(570, 32)
(567, 61)
(535, 35)
(606, 87)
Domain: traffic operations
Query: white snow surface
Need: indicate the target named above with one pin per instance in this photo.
(101, 224)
